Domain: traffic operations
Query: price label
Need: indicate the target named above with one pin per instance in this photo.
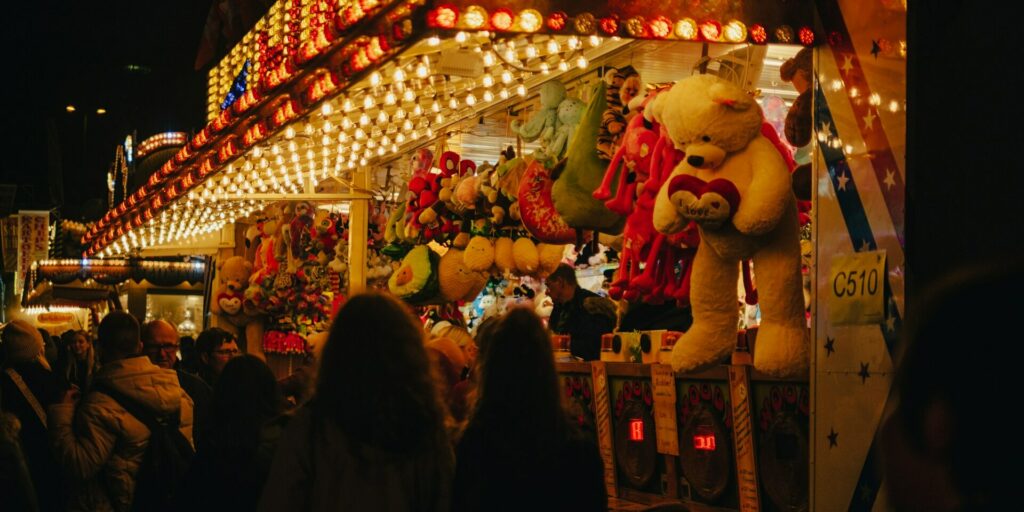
(665, 425)
(856, 289)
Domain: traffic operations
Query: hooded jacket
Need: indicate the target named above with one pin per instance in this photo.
(100, 444)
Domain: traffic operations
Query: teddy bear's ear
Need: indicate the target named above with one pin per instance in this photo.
(730, 96)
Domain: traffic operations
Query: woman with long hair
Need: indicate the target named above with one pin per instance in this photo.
(245, 422)
(519, 451)
(81, 360)
(373, 436)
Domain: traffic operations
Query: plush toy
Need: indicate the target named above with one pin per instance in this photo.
(537, 209)
(326, 230)
(416, 280)
(479, 254)
(267, 232)
(568, 116)
(299, 233)
(631, 90)
(525, 255)
(800, 71)
(612, 120)
(549, 256)
(543, 124)
(232, 280)
(504, 256)
(456, 280)
(736, 186)
(631, 163)
(573, 191)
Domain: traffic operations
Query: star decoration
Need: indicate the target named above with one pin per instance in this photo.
(833, 438)
(842, 181)
(826, 127)
(869, 119)
(890, 179)
(890, 324)
(830, 346)
(875, 48)
(865, 246)
(864, 373)
(847, 64)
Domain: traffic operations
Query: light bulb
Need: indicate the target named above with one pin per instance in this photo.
(439, 119)
(430, 133)
(573, 42)
(461, 37)
(506, 76)
(370, 144)
(433, 41)
(382, 117)
(407, 125)
(504, 94)
(384, 141)
(581, 62)
(390, 99)
(563, 65)
(453, 103)
(347, 105)
(364, 120)
(275, 150)
(595, 40)
(325, 141)
(399, 114)
(488, 80)
(400, 138)
(346, 123)
(375, 79)
(531, 52)
(470, 99)
(342, 138)
(399, 74)
(368, 101)
(488, 59)
(544, 68)
(328, 127)
(380, 151)
(417, 110)
(510, 55)
(356, 146)
(289, 132)
(421, 71)
(553, 46)
(521, 90)
(360, 134)
(435, 106)
(488, 96)
(408, 96)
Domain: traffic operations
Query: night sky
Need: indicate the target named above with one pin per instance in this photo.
(79, 53)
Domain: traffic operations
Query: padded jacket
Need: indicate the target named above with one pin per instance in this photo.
(100, 445)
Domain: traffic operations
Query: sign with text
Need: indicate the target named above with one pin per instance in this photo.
(665, 425)
(857, 289)
(33, 242)
(743, 436)
(603, 416)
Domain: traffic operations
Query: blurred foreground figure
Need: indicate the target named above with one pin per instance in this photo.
(955, 371)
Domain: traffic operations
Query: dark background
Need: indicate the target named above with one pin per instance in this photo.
(79, 53)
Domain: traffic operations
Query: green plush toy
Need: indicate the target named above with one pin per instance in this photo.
(573, 190)
(416, 280)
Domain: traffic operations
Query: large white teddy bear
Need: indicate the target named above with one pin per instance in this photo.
(735, 185)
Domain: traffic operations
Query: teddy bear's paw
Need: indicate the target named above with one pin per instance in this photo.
(699, 349)
(782, 350)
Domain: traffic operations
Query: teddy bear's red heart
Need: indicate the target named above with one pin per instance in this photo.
(702, 201)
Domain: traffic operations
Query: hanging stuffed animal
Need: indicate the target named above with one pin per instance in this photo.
(631, 163)
(542, 125)
(612, 120)
(736, 186)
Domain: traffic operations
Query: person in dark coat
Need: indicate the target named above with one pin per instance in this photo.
(579, 313)
(373, 437)
(244, 424)
(519, 450)
(27, 388)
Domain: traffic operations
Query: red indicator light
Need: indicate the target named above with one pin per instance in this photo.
(704, 443)
(636, 430)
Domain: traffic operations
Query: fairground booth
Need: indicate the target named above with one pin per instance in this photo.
(739, 163)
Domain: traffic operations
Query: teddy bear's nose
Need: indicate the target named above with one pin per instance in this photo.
(695, 160)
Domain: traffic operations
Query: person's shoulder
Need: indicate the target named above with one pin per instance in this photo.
(194, 386)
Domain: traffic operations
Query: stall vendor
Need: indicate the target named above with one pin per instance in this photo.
(579, 313)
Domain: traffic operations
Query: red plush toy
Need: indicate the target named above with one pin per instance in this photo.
(632, 162)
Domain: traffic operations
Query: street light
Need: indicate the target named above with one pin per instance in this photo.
(70, 108)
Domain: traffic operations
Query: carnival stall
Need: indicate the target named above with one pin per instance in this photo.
(444, 149)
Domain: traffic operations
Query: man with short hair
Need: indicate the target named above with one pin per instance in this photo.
(215, 347)
(581, 314)
(97, 441)
(160, 343)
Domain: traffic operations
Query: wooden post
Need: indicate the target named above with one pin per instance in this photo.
(358, 220)
(602, 410)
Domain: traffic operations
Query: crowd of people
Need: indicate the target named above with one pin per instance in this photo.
(398, 419)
